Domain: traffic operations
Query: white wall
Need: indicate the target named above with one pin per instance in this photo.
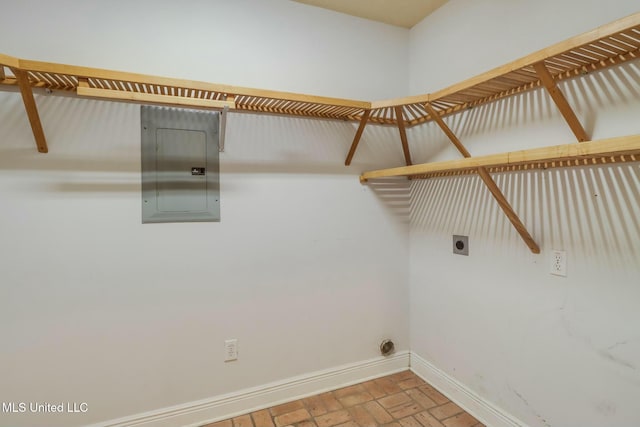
(97, 307)
(551, 351)
(272, 44)
(308, 269)
(465, 37)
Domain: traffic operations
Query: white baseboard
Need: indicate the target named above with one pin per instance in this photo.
(487, 413)
(229, 405)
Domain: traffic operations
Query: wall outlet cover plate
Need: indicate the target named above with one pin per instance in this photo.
(558, 263)
(461, 245)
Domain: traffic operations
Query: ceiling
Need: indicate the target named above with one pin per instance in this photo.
(402, 13)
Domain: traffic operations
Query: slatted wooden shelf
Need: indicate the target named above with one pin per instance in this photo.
(606, 46)
(609, 45)
(538, 165)
(593, 153)
(603, 47)
(99, 83)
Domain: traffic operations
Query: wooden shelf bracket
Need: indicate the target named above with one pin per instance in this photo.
(489, 182)
(32, 109)
(403, 135)
(356, 139)
(561, 102)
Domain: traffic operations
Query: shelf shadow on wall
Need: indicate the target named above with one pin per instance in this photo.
(593, 210)
(395, 195)
(95, 149)
(617, 86)
(92, 135)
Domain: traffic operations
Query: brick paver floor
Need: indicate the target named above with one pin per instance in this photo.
(398, 400)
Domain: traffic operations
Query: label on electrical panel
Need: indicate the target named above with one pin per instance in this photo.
(197, 171)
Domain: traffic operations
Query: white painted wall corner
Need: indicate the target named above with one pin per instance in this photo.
(205, 411)
(486, 412)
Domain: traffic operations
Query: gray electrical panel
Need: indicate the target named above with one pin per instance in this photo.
(180, 165)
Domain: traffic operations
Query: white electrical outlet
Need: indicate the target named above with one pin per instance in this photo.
(230, 350)
(558, 266)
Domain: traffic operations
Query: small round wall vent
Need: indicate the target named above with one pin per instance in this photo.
(386, 347)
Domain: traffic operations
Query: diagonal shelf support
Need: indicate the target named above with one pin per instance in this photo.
(508, 210)
(561, 102)
(454, 139)
(403, 134)
(489, 182)
(356, 139)
(31, 108)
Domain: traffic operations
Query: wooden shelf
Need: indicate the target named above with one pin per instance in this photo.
(609, 45)
(108, 84)
(606, 46)
(603, 47)
(606, 151)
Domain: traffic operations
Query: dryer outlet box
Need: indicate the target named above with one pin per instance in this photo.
(461, 245)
